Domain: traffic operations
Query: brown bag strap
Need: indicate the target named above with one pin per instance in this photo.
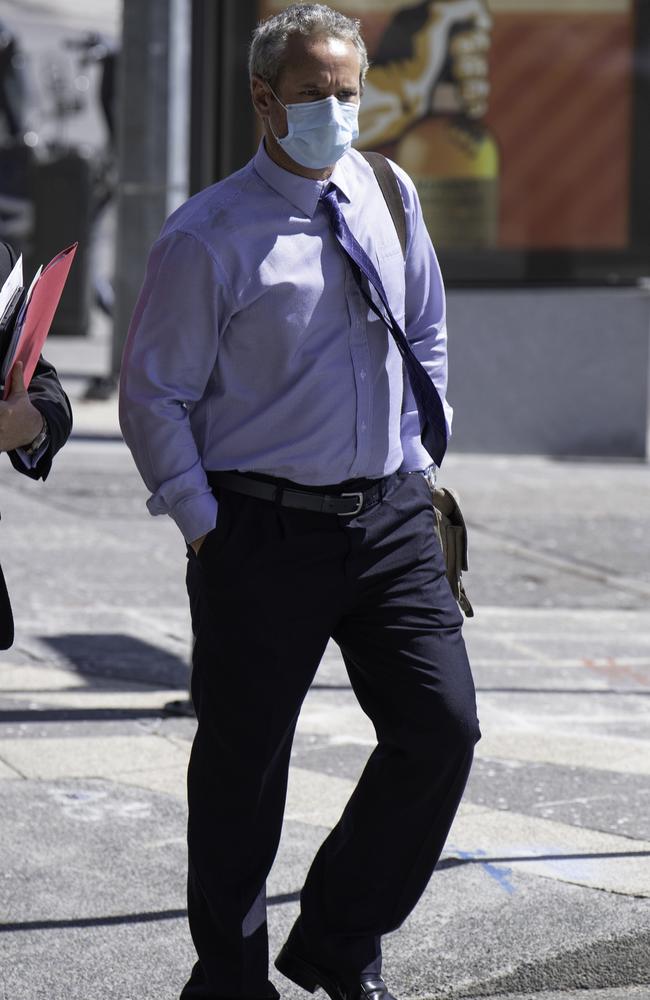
(392, 195)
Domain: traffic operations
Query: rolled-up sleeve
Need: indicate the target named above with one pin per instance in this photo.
(425, 322)
(170, 354)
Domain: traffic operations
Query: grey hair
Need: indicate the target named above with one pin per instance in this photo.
(270, 38)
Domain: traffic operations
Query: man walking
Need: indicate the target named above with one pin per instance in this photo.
(272, 413)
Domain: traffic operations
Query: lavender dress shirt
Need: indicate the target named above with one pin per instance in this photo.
(251, 347)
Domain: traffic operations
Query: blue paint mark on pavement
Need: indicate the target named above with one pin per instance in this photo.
(499, 874)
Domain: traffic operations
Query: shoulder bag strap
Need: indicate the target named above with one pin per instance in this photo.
(392, 195)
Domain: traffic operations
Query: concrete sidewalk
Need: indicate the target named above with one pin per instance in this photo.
(544, 886)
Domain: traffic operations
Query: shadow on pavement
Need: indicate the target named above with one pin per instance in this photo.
(122, 657)
(482, 859)
(39, 715)
(125, 918)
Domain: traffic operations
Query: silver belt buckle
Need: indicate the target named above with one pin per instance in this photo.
(357, 510)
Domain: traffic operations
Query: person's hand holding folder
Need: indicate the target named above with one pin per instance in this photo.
(20, 421)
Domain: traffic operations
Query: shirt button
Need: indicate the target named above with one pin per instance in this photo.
(364, 426)
(363, 373)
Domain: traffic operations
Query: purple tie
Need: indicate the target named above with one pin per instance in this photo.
(433, 428)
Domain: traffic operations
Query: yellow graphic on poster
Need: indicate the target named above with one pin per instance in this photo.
(512, 117)
(427, 92)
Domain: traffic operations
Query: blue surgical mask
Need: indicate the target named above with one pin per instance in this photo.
(319, 132)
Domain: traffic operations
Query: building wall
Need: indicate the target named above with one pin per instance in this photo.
(548, 371)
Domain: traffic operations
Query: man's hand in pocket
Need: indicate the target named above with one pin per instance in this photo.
(197, 543)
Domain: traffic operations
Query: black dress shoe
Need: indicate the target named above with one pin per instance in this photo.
(309, 976)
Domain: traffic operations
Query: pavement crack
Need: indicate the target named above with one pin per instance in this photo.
(12, 767)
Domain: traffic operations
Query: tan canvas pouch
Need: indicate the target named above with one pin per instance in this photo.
(452, 532)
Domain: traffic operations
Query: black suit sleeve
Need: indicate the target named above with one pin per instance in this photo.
(47, 395)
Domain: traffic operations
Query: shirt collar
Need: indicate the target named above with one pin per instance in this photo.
(343, 176)
(303, 192)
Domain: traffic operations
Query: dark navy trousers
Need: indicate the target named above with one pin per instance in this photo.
(268, 589)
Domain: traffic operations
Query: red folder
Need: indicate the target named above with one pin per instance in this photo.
(39, 313)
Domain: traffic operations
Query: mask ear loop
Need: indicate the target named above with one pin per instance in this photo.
(277, 137)
(275, 95)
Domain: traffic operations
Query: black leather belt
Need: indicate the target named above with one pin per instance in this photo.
(345, 504)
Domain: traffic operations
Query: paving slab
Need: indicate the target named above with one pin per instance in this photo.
(605, 752)
(574, 795)
(97, 757)
(316, 799)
